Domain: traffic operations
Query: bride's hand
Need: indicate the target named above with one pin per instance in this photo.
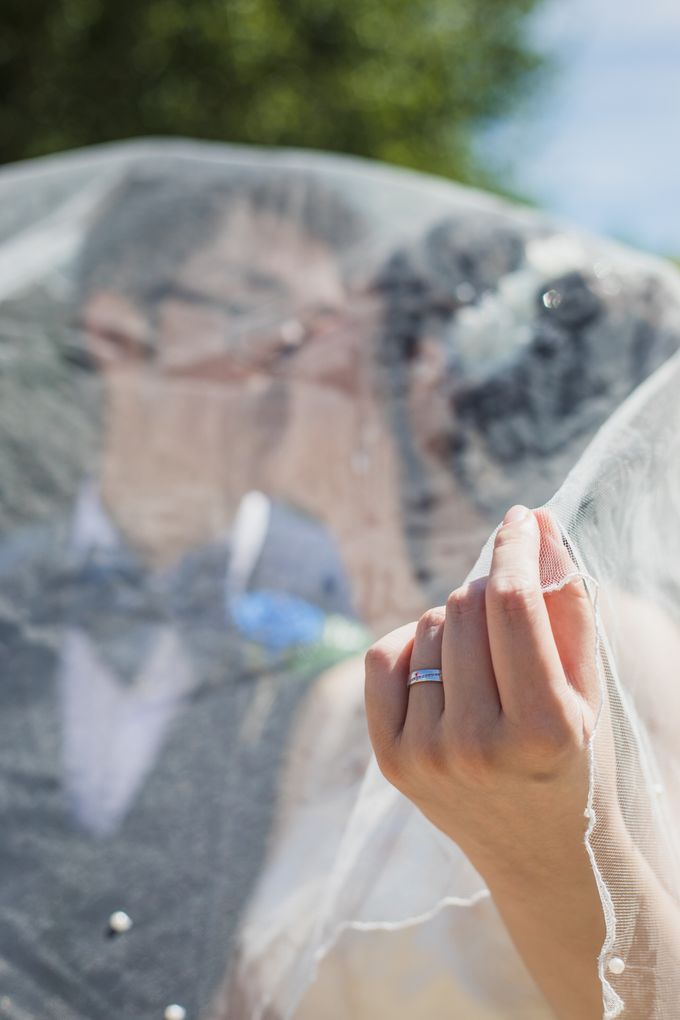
(496, 755)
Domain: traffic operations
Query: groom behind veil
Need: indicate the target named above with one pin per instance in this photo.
(159, 635)
(295, 449)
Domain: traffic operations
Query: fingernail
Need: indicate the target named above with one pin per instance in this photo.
(516, 514)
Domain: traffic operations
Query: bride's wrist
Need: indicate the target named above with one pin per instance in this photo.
(554, 864)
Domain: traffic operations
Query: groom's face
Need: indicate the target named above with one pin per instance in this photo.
(202, 381)
(237, 306)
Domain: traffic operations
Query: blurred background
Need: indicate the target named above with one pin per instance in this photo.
(567, 105)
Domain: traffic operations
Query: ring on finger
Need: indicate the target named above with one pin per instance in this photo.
(422, 676)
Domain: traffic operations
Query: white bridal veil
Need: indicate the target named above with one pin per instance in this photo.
(256, 409)
(393, 872)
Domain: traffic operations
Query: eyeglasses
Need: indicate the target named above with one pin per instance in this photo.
(193, 334)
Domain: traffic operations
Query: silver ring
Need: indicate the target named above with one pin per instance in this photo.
(422, 676)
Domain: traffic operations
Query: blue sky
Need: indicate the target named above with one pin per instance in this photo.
(600, 144)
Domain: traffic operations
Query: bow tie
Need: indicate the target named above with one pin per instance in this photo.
(121, 604)
(95, 584)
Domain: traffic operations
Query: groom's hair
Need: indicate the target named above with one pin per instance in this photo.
(155, 219)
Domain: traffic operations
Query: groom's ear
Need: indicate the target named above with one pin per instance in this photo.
(116, 333)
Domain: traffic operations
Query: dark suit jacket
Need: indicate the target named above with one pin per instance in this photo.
(185, 857)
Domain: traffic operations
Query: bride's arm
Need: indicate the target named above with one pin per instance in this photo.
(497, 758)
(555, 920)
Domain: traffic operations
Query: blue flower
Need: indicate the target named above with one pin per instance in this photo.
(276, 620)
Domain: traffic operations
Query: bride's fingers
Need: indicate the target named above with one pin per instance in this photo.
(386, 694)
(531, 681)
(426, 700)
(570, 610)
(470, 687)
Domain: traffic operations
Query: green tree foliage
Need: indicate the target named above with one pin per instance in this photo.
(408, 81)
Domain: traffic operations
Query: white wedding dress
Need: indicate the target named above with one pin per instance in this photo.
(459, 962)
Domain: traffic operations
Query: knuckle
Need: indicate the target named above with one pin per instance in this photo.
(426, 756)
(577, 594)
(509, 535)
(475, 757)
(429, 621)
(377, 660)
(512, 596)
(465, 601)
(546, 742)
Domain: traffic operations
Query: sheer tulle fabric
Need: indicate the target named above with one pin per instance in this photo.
(256, 409)
(393, 872)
